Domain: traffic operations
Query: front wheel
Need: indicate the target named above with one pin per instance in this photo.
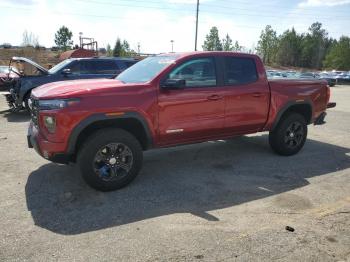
(289, 136)
(110, 159)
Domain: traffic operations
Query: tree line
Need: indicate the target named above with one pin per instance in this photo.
(212, 42)
(314, 49)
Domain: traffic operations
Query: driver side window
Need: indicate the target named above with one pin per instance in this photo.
(198, 72)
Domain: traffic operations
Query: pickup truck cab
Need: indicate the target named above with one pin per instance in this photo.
(168, 100)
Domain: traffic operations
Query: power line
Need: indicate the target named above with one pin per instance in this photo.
(131, 18)
(204, 11)
(288, 12)
(267, 5)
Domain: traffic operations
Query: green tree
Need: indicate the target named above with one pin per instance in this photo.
(339, 55)
(314, 46)
(118, 50)
(125, 48)
(227, 43)
(63, 38)
(237, 47)
(109, 51)
(122, 48)
(267, 45)
(289, 48)
(212, 41)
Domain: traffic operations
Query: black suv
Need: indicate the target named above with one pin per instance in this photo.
(70, 69)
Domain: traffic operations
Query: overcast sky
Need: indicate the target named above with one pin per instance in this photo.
(154, 23)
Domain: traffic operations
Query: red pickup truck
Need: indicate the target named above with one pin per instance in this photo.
(168, 100)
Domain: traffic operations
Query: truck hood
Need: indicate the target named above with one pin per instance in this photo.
(28, 61)
(75, 87)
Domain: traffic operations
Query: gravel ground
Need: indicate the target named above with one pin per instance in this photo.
(216, 201)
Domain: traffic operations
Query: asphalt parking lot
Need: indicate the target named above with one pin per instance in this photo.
(215, 201)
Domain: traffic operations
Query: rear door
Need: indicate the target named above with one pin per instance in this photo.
(197, 110)
(247, 100)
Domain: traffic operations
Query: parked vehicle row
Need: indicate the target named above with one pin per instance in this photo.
(332, 78)
(20, 85)
(103, 125)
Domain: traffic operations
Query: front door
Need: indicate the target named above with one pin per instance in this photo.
(196, 110)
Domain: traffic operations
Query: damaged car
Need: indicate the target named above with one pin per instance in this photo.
(69, 69)
(8, 75)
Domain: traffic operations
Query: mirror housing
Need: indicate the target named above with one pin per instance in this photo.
(66, 72)
(173, 84)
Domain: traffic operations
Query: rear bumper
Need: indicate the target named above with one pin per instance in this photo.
(320, 119)
(331, 105)
(48, 150)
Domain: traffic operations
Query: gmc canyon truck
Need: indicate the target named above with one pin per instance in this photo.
(168, 100)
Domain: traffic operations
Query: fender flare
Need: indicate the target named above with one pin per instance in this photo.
(287, 106)
(73, 138)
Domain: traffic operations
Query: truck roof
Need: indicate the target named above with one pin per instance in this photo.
(219, 53)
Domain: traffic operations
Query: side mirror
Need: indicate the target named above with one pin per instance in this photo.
(66, 72)
(174, 84)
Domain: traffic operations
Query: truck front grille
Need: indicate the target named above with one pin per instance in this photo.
(34, 112)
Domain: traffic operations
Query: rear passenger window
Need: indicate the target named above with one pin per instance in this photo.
(239, 70)
(121, 64)
(106, 67)
(130, 63)
(84, 67)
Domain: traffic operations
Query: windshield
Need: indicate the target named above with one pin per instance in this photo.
(59, 66)
(146, 69)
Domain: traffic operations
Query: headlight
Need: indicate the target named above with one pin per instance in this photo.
(50, 123)
(30, 103)
(56, 103)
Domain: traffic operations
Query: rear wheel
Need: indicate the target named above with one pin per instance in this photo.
(289, 136)
(110, 159)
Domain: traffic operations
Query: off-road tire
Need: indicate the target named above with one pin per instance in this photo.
(278, 136)
(92, 145)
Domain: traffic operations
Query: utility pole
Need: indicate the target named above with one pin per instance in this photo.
(138, 48)
(80, 39)
(195, 41)
(172, 45)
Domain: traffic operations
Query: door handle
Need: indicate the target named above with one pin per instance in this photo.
(257, 94)
(214, 97)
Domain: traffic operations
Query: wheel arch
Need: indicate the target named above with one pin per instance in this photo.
(132, 122)
(303, 108)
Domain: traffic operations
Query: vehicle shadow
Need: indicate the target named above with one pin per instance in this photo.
(186, 179)
(21, 116)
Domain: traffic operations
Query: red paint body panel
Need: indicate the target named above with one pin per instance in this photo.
(284, 91)
(178, 116)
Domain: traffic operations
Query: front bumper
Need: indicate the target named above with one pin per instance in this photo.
(48, 150)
